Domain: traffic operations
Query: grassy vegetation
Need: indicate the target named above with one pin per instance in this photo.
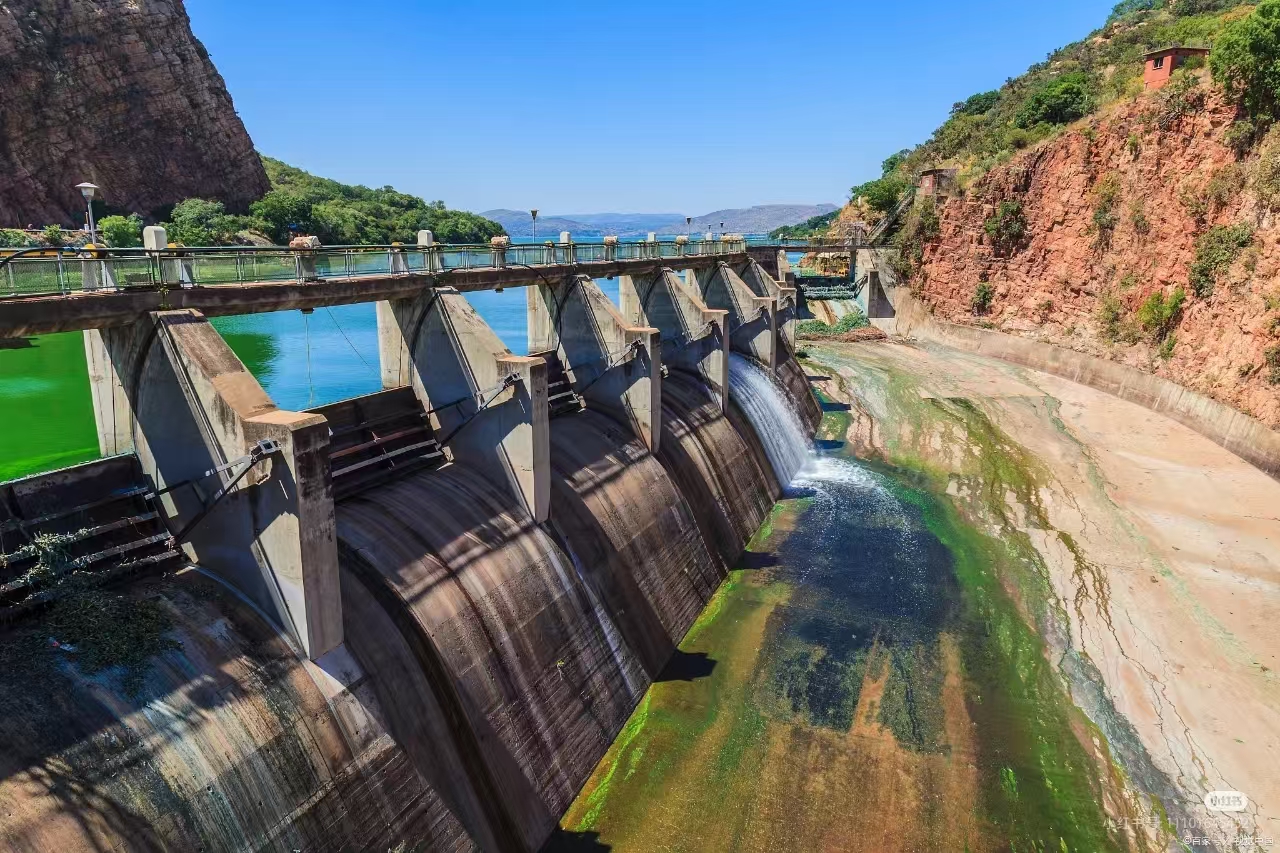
(816, 226)
(983, 296)
(817, 329)
(1007, 228)
(1216, 251)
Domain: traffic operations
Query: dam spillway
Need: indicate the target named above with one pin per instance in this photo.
(511, 582)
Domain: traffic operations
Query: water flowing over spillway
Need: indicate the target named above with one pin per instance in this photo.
(774, 419)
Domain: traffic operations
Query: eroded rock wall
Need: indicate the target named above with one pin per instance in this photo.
(119, 93)
(1175, 180)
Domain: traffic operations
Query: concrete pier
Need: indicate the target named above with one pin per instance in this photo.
(694, 337)
(753, 319)
(170, 389)
(612, 363)
(762, 283)
(487, 407)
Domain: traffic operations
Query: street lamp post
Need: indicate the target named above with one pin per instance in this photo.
(88, 190)
(533, 214)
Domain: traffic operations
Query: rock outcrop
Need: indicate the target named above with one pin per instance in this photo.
(1113, 211)
(120, 93)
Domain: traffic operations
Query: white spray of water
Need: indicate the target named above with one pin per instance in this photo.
(777, 424)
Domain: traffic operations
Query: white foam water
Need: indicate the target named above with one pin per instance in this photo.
(776, 423)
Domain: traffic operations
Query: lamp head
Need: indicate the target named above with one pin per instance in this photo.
(87, 190)
(534, 213)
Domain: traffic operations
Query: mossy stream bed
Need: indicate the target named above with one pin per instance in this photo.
(879, 675)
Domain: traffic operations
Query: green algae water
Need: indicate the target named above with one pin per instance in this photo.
(47, 420)
(873, 687)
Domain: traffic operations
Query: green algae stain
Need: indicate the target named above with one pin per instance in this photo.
(44, 386)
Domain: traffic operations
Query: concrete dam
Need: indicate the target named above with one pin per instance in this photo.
(412, 620)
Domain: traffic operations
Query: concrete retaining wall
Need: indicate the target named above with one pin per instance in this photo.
(1232, 429)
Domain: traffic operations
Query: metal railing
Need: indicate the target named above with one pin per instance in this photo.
(801, 243)
(106, 270)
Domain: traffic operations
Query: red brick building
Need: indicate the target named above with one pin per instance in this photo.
(1162, 63)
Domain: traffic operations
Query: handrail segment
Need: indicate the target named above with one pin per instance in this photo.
(95, 270)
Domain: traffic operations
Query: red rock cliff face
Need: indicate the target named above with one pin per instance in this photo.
(1053, 289)
(120, 93)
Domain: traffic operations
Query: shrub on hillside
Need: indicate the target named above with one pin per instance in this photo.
(983, 297)
(1182, 97)
(1246, 61)
(1007, 227)
(122, 232)
(1106, 199)
(1226, 184)
(1159, 313)
(1241, 136)
(923, 226)
(1059, 101)
(883, 193)
(1266, 175)
(1216, 250)
(976, 105)
(53, 235)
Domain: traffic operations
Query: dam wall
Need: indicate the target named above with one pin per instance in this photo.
(508, 577)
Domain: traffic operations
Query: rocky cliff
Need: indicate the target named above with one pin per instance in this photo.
(1118, 215)
(120, 93)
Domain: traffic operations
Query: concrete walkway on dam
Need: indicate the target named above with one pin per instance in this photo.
(1076, 648)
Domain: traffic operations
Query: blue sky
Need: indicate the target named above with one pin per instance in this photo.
(586, 107)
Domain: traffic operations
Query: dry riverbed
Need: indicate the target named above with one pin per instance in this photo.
(1162, 551)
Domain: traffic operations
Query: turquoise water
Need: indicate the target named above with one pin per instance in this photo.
(302, 360)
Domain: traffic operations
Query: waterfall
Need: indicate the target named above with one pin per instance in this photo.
(775, 422)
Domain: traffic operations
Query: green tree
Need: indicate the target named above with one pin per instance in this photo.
(122, 232)
(199, 222)
(1246, 61)
(1059, 101)
(882, 194)
(894, 161)
(1007, 227)
(976, 105)
(283, 212)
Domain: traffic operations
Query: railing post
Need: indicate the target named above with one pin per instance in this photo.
(89, 271)
(62, 274)
(396, 261)
(304, 254)
(567, 254)
(611, 248)
(499, 246)
(682, 245)
(430, 252)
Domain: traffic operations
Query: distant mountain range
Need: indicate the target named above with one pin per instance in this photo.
(747, 220)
